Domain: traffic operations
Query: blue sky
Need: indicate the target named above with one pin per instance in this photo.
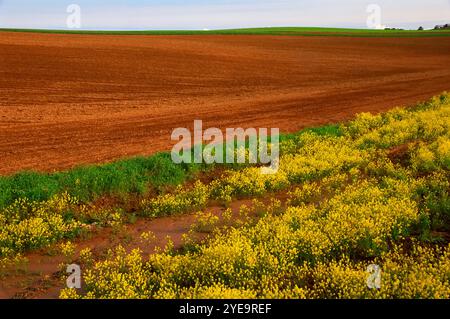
(202, 14)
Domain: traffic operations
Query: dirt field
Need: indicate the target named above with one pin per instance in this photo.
(72, 99)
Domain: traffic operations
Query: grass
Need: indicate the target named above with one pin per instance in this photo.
(121, 178)
(294, 31)
(136, 175)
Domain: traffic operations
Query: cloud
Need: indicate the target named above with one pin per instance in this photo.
(200, 14)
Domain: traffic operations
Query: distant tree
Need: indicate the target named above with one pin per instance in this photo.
(440, 27)
(420, 28)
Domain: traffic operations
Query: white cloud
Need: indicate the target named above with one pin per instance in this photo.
(226, 14)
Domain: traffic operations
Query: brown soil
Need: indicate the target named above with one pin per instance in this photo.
(73, 99)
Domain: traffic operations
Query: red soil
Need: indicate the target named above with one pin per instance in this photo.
(73, 99)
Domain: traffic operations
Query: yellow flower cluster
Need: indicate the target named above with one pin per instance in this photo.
(414, 272)
(67, 249)
(90, 214)
(27, 225)
(313, 192)
(86, 256)
(422, 272)
(205, 222)
(400, 126)
(427, 157)
(318, 157)
(358, 220)
(178, 202)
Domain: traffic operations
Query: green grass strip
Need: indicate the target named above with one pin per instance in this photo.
(291, 31)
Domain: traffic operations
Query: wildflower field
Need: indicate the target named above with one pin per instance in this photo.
(373, 191)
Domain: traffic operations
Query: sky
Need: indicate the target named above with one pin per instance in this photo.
(220, 14)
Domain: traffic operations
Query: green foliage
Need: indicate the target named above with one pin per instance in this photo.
(119, 178)
(289, 31)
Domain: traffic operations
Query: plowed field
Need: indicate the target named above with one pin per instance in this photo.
(77, 99)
